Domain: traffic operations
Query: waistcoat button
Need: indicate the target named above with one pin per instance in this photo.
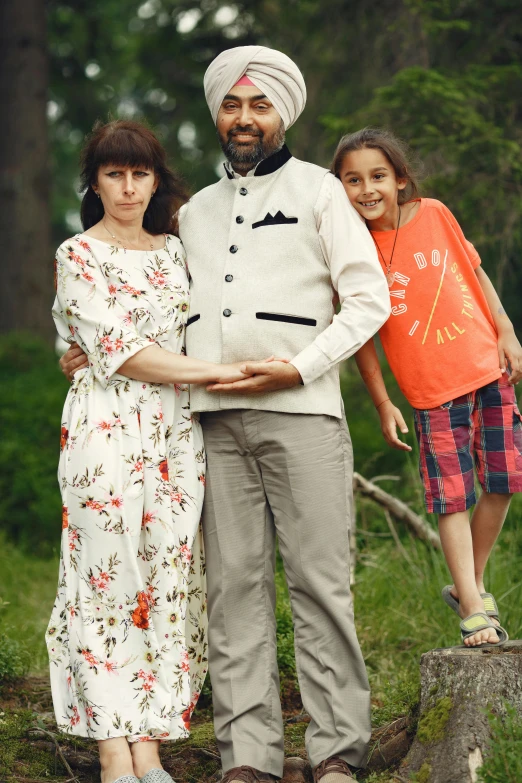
(240, 219)
(229, 278)
(227, 313)
(234, 249)
(243, 191)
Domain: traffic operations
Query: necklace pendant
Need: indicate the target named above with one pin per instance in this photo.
(390, 277)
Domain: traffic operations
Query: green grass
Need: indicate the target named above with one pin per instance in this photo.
(400, 613)
(28, 586)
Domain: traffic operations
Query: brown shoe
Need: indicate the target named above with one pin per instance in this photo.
(333, 765)
(247, 775)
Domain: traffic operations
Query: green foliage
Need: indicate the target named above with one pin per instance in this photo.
(31, 402)
(14, 658)
(503, 762)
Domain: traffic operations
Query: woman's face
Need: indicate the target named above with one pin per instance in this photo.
(125, 192)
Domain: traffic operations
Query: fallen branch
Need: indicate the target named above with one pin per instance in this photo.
(397, 509)
(58, 751)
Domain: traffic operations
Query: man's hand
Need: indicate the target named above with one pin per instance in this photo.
(391, 418)
(74, 359)
(265, 377)
(510, 352)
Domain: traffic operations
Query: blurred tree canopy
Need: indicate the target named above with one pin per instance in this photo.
(445, 74)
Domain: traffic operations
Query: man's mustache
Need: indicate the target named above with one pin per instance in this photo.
(238, 130)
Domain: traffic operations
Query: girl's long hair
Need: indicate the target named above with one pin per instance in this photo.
(393, 148)
(130, 143)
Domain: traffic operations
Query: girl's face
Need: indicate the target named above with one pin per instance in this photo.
(371, 184)
(125, 192)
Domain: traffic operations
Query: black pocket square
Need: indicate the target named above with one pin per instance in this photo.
(274, 220)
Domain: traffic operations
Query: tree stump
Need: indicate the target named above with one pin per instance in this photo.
(458, 688)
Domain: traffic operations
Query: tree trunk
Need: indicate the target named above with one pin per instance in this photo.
(458, 687)
(26, 289)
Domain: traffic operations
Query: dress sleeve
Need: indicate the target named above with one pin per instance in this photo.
(87, 307)
(469, 249)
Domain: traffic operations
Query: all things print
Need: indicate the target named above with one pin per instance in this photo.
(455, 324)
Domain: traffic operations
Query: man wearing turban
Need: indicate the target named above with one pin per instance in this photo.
(268, 246)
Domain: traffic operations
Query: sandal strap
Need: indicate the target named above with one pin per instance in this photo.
(490, 605)
(479, 622)
(474, 623)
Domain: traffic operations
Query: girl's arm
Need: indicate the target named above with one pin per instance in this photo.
(390, 416)
(509, 348)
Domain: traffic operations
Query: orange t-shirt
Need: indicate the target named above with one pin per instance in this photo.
(440, 340)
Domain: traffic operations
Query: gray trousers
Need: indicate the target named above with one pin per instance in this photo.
(291, 475)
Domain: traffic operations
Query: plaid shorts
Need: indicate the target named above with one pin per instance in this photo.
(484, 427)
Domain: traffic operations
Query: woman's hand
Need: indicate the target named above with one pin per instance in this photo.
(74, 359)
(391, 418)
(229, 373)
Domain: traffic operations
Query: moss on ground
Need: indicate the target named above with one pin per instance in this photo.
(432, 724)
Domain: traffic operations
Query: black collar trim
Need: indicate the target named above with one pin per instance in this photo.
(269, 165)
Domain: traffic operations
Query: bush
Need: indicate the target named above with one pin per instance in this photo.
(503, 762)
(14, 658)
(31, 403)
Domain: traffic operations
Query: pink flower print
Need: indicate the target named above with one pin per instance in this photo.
(148, 518)
(89, 712)
(73, 537)
(128, 289)
(176, 497)
(202, 478)
(112, 289)
(84, 244)
(77, 259)
(104, 426)
(87, 276)
(157, 279)
(185, 665)
(138, 466)
(89, 657)
(186, 554)
(109, 667)
(75, 718)
(119, 345)
(127, 318)
(116, 502)
(95, 505)
(69, 681)
(102, 581)
(106, 344)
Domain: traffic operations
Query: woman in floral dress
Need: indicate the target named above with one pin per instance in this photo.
(127, 635)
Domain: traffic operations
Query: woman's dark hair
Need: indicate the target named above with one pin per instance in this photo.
(130, 143)
(393, 148)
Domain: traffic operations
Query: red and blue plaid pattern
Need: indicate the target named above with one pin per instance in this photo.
(483, 427)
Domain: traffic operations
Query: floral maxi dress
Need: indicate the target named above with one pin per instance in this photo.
(127, 635)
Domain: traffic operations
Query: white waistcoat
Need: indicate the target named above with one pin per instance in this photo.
(260, 283)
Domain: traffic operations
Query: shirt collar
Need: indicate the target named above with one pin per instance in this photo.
(266, 166)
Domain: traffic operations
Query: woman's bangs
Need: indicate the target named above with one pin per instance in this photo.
(122, 147)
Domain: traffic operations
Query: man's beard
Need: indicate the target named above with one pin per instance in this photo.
(251, 154)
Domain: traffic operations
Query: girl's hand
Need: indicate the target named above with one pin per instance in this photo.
(391, 418)
(510, 352)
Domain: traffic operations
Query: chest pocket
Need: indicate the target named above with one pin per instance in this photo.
(275, 220)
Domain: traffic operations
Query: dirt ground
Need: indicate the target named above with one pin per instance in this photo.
(32, 751)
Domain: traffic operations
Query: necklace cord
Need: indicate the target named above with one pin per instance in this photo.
(388, 267)
(119, 241)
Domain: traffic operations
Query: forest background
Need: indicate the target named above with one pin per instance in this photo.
(446, 75)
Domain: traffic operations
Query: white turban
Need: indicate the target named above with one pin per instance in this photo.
(271, 71)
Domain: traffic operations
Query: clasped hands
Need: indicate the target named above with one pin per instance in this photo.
(272, 374)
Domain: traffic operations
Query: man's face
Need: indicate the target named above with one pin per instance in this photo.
(248, 126)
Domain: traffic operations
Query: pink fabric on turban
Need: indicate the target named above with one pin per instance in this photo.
(275, 74)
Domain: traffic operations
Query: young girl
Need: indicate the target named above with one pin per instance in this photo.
(456, 358)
